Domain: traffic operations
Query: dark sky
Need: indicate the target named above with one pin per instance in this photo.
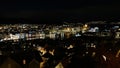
(59, 11)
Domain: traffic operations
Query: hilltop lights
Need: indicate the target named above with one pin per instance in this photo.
(85, 27)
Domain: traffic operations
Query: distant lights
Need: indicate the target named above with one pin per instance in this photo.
(77, 35)
(86, 25)
(68, 29)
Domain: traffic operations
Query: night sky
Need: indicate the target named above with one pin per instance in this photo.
(58, 11)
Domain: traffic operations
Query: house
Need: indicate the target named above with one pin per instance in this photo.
(10, 63)
(34, 64)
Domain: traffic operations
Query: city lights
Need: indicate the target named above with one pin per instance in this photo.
(58, 45)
